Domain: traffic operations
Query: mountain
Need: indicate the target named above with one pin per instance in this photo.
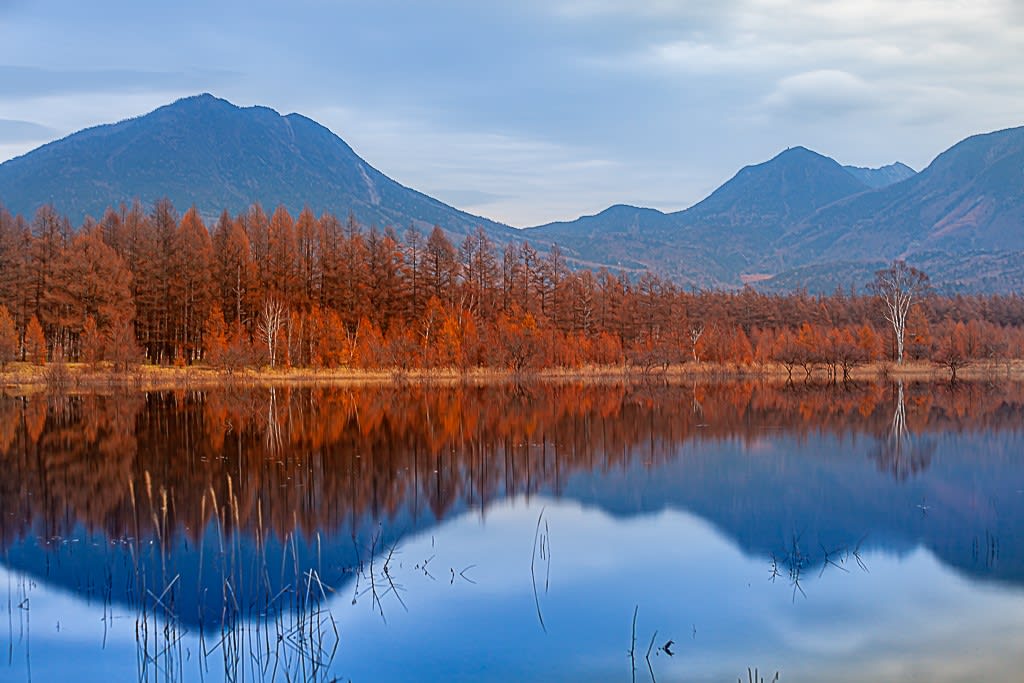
(801, 220)
(207, 152)
(781, 191)
(880, 177)
(970, 199)
(798, 220)
(614, 237)
(726, 234)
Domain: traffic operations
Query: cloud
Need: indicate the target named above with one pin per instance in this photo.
(30, 81)
(467, 198)
(825, 92)
(514, 178)
(547, 108)
(14, 131)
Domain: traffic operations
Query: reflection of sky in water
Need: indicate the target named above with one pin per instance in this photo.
(682, 529)
(902, 616)
(907, 618)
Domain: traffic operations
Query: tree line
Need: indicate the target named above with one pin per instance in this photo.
(280, 290)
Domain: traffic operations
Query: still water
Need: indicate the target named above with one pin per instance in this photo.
(510, 533)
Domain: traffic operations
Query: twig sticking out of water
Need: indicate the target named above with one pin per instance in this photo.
(648, 657)
(752, 677)
(537, 537)
(632, 644)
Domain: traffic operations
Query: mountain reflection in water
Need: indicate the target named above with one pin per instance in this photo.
(209, 508)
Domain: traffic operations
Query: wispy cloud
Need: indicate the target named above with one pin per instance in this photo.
(544, 109)
(14, 131)
(33, 81)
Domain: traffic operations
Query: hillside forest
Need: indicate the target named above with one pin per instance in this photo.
(258, 290)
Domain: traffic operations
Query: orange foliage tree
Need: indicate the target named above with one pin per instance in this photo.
(350, 296)
(8, 337)
(35, 342)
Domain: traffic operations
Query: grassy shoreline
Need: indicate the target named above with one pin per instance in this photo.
(78, 377)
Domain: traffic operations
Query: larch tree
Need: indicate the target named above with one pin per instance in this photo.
(331, 237)
(953, 350)
(122, 347)
(529, 280)
(90, 342)
(282, 270)
(510, 276)
(35, 342)
(412, 273)
(153, 275)
(310, 272)
(480, 273)
(257, 229)
(442, 265)
(50, 234)
(898, 286)
(233, 271)
(583, 285)
(552, 271)
(16, 291)
(383, 271)
(215, 336)
(191, 284)
(351, 280)
(8, 337)
(95, 284)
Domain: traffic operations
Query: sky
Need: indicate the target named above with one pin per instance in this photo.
(531, 111)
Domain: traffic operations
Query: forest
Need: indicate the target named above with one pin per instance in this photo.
(255, 290)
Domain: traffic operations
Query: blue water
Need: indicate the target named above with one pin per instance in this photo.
(802, 552)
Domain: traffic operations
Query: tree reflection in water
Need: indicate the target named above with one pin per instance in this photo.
(222, 498)
(901, 453)
(328, 460)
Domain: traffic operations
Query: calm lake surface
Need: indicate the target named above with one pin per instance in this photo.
(873, 532)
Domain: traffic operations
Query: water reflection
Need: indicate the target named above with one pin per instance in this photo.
(274, 529)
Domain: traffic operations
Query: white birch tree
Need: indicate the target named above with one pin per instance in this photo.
(272, 319)
(898, 286)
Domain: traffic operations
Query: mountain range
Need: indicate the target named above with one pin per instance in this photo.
(799, 220)
(803, 220)
(207, 152)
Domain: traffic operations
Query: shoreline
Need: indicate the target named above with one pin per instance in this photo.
(22, 378)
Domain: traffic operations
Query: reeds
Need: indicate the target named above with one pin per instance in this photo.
(262, 630)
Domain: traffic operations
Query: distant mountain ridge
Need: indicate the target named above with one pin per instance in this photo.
(207, 152)
(970, 198)
(883, 176)
(721, 237)
(798, 220)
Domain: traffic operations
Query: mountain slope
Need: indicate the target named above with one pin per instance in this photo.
(614, 237)
(800, 220)
(208, 152)
(971, 198)
(717, 240)
(781, 191)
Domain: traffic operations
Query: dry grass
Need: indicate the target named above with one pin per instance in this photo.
(24, 378)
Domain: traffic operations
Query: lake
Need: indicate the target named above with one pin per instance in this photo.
(546, 532)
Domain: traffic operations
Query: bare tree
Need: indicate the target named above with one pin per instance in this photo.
(897, 286)
(272, 319)
(696, 330)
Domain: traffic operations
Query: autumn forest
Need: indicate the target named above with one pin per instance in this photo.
(149, 286)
